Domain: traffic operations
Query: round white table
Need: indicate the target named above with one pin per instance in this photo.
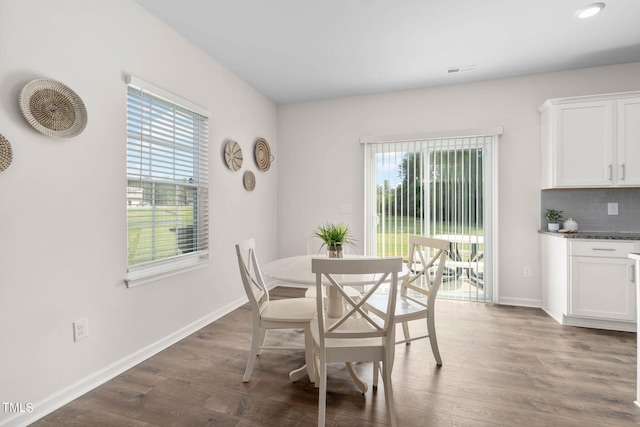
(297, 269)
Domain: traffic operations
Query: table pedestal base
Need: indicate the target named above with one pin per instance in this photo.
(299, 373)
(360, 382)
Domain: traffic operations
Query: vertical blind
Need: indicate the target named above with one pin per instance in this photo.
(167, 179)
(435, 188)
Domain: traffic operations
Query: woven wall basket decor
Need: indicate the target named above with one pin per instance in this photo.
(262, 154)
(249, 180)
(52, 108)
(6, 153)
(233, 155)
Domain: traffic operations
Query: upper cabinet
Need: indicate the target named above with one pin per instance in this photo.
(628, 141)
(591, 141)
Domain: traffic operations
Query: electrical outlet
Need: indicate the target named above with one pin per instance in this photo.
(80, 329)
(526, 271)
(612, 208)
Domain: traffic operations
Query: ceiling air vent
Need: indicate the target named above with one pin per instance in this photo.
(460, 69)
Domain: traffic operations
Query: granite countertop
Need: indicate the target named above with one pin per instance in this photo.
(608, 235)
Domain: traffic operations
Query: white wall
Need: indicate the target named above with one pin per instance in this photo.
(321, 160)
(62, 205)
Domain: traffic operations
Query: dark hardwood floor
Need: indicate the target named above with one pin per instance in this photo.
(506, 366)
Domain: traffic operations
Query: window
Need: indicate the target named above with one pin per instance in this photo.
(437, 187)
(167, 183)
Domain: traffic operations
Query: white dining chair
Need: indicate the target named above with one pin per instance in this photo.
(355, 336)
(289, 313)
(418, 291)
(353, 292)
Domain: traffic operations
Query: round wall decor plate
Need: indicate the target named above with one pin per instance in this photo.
(262, 154)
(6, 153)
(249, 180)
(233, 155)
(52, 108)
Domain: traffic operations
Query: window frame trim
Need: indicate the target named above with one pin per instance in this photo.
(167, 96)
(144, 273)
(151, 271)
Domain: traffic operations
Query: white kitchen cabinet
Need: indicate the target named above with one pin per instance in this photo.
(589, 283)
(636, 258)
(591, 142)
(602, 280)
(628, 142)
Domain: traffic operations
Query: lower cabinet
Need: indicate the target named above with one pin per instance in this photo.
(590, 283)
(602, 288)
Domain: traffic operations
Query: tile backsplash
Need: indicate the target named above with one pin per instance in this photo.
(589, 208)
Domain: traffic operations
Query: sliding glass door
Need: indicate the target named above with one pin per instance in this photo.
(439, 188)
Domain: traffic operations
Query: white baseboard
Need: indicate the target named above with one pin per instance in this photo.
(64, 396)
(583, 322)
(521, 302)
(611, 325)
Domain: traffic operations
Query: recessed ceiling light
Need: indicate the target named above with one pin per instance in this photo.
(589, 10)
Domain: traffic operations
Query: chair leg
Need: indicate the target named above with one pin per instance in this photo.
(257, 340)
(388, 393)
(431, 329)
(405, 330)
(376, 370)
(322, 395)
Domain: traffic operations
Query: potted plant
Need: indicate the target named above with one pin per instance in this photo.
(553, 218)
(334, 237)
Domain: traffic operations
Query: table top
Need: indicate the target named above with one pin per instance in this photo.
(297, 269)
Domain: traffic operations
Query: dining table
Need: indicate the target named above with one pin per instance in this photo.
(297, 270)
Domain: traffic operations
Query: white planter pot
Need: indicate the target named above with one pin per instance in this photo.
(553, 227)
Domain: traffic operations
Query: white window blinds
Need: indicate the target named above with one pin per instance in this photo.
(167, 178)
(441, 188)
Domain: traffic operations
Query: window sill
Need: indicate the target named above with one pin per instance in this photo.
(141, 275)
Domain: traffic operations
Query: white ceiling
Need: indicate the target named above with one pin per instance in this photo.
(306, 50)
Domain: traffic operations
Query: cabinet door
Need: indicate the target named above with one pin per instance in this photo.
(628, 165)
(602, 288)
(584, 144)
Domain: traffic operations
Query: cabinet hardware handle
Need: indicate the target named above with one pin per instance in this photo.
(603, 249)
(622, 167)
(610, 172)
